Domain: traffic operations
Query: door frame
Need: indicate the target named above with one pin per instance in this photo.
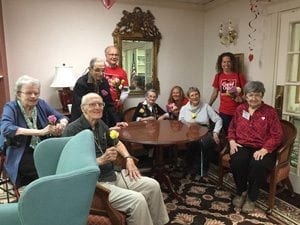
(4, 84)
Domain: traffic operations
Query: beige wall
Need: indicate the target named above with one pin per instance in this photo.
(42, 34)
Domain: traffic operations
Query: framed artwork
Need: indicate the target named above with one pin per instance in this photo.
(239, 58)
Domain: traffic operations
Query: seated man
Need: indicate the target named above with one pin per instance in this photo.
(138, 196)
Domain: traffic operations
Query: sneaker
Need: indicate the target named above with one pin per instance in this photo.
(238, 201)
(249, 206)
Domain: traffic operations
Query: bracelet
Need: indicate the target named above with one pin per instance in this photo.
(128, 157)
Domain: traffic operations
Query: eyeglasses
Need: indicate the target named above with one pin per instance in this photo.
(113, 55)
(99, 70)
(30, 93)
(96, 104)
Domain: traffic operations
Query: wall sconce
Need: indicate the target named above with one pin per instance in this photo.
(64, 79)
(227, 34)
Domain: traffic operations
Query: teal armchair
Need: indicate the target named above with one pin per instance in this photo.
(63, 193)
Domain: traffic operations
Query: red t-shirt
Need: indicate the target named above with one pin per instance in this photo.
(225, 82)
(116, 76)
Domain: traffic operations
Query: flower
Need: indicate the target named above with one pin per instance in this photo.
(171, 107)
(234, 92)
(194, 115)
(141, 110)
(114, 136)
(117, 84)
(52, 120)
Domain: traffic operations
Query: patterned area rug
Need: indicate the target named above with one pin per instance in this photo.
(205, 204)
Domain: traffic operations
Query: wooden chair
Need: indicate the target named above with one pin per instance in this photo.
(101, 212)
(280, 173)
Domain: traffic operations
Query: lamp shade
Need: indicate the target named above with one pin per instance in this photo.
(64, 77)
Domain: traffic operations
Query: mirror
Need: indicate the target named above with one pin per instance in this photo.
(138, 40)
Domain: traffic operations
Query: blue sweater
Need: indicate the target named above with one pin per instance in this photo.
(12, 119)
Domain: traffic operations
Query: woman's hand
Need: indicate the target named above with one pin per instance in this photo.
(258, 155)
(216, 138)
(132, 171)
(233, 147)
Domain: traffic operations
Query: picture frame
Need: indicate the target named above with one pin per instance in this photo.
(239, 58)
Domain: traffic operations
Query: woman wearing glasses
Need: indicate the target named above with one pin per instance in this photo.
(25, 122)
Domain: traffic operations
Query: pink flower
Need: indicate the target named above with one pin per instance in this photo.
(52, 120)
(171, 107)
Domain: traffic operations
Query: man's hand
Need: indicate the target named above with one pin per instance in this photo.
(132, 171)
(110, 155)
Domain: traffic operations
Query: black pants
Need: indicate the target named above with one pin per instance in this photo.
(226, 119)
(250, 174)
(200, 154)
(27, 172)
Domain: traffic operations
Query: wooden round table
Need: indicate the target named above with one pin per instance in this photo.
(161, 133)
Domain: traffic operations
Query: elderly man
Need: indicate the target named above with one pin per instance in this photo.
(94, 81)
(139, 197)
(116, 76)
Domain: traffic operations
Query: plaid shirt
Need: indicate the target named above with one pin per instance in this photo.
(260, 130)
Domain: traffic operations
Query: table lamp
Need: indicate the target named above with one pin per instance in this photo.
(64, 79)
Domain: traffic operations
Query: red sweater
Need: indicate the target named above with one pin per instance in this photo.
(115, 77)
(261, 130)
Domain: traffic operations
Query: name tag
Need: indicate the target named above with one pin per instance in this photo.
(246, 115)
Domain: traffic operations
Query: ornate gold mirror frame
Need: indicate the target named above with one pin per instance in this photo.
(138, 41)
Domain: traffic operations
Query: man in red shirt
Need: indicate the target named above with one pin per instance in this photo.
(117, 77)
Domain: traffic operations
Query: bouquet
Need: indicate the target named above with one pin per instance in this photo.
(52, 120)
(118, 84)
(234, 92)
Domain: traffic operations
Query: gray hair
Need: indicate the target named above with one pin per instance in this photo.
(108, 48)
(86, 98)
(24, 80)
(192, 89)
(151, 90)
(94, 60)
(254, 86)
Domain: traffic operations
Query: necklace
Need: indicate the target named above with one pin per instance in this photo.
(97, 142)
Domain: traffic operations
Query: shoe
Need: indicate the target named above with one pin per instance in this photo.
(249, 206)
(238, 201)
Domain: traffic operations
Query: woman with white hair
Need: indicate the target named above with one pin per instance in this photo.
(25, 122)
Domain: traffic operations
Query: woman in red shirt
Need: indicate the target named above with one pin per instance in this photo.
(229, 83)
(176, 100)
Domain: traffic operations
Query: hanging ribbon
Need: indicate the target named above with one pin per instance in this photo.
(108, 3)
(255, 10)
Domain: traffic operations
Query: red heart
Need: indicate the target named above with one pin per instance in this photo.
(250, 57)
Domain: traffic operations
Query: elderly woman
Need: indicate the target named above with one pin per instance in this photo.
(24, 124)
(197, 112)
(149, 109)
(254, 133)
(176, 100)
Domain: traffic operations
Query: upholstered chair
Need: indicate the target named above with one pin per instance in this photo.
(63, 193)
